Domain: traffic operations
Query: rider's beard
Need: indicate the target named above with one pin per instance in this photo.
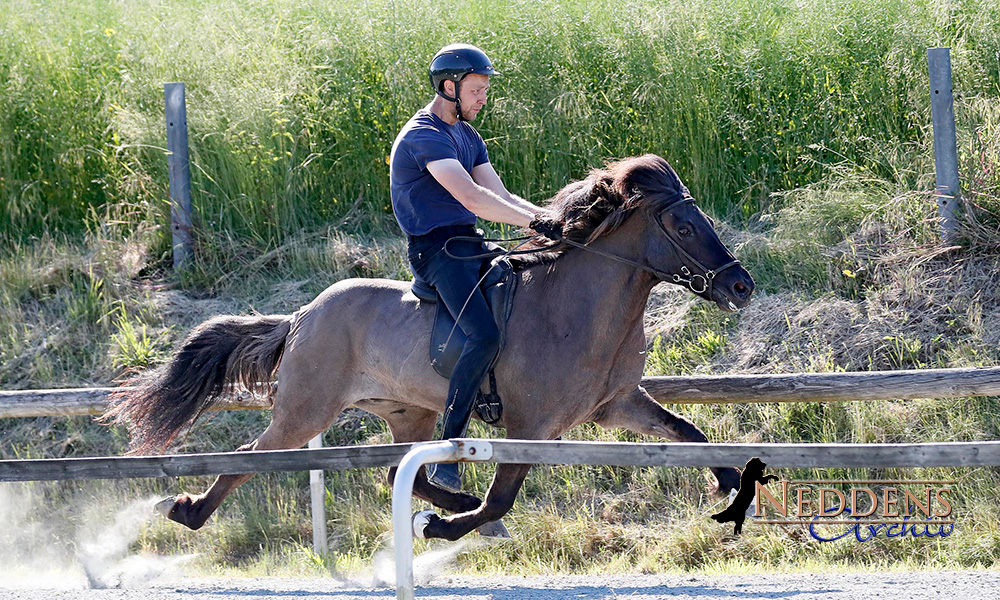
(469, 112)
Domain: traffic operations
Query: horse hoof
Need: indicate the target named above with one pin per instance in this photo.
(420, 522)
(165, 506)
(494, 529)
(724, 481)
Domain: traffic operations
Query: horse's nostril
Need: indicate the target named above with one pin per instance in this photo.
(741, 289)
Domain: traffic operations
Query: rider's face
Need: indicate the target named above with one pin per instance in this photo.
(472, 93)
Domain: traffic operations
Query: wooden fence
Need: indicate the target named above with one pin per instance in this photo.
(705, 389)
(936, 454)
(828, 387)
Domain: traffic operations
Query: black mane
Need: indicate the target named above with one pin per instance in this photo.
(600, 203)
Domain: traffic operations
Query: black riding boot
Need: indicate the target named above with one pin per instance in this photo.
(456, 420)
(457, 283)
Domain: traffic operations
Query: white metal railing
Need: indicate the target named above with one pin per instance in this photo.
(410, 457)
(935, 454)
(402, 494)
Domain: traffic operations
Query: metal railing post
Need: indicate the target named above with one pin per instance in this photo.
(402, 493)
(468, 450)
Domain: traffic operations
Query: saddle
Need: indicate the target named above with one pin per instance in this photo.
(498, 286)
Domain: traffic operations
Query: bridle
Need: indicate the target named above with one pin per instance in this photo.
(707, 276)
(700, 281)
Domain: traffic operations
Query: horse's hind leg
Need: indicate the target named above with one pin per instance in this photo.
(281, 434)
(637, 411)
(193, 510)
(304, 407)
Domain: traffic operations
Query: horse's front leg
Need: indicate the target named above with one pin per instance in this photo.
(499, 500)
(637, 411)
(411, 424)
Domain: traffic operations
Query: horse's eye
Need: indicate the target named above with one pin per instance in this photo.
(684, 230)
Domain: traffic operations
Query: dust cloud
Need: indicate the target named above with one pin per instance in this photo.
(426, 566)
(75, 545)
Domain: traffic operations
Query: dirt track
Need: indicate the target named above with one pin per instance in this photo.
(801, 586)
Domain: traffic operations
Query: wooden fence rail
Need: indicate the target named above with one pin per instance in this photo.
(216, 463)
(87, 401)
(937, 454)
(826, 387)
(704, 389)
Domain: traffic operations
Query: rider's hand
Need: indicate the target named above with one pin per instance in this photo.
(547, 226)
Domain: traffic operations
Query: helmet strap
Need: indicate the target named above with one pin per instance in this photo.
(458, 101)
(455, 99)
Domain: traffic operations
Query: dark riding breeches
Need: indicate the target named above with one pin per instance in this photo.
(457, 285)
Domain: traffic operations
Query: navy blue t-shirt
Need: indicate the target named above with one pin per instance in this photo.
(419, 202)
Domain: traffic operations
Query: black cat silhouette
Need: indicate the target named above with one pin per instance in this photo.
(737, 510)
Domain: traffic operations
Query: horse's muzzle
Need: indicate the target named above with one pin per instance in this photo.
(733, 289)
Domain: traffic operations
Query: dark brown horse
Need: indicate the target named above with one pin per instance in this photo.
(575, 346)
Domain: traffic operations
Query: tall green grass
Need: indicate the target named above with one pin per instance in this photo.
(293, 105)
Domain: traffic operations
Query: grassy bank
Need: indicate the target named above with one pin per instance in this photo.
(879, 296)
(803, 126)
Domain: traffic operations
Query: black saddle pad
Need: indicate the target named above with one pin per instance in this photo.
(447, 340)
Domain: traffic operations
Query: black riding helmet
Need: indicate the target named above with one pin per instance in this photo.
(454, 62)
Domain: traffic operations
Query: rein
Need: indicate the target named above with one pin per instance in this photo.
(699, 282)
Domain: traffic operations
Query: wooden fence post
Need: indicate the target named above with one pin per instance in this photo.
(317, 492)
(179, 166)
(945, 152)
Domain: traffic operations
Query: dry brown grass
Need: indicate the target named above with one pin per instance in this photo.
(895, 297)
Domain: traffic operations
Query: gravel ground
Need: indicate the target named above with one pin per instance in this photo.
(799, 586)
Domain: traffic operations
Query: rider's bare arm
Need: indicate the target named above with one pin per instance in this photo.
(484, 201)
(486, 176)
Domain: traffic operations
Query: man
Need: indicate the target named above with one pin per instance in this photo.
(441, 180)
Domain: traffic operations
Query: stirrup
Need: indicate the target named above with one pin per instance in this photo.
(488, 406)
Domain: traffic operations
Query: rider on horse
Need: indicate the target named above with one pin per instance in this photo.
(441, 180)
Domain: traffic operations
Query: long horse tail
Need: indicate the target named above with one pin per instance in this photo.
(219, 356)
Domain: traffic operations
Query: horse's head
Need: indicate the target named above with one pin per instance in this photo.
(669, 236)
(682, 247)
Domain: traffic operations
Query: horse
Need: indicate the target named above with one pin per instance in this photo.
(575, 346)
